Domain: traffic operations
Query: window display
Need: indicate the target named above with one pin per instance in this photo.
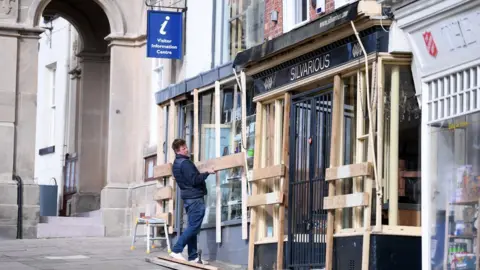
(456, 176)
(230, 143)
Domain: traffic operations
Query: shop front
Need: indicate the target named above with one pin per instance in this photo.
(445, 42)
(336, 168)
(217, 121)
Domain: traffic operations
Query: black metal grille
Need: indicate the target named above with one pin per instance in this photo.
(311, 117)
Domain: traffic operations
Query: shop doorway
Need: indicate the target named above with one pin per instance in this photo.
(311, 116)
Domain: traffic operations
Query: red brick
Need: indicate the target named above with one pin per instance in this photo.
(273, 29)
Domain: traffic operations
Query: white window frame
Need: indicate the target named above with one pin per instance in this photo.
(290, 7)
(156, 85)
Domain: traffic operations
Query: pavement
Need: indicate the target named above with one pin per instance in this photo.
(76, 253)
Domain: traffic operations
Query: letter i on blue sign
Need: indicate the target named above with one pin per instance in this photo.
(164, 34)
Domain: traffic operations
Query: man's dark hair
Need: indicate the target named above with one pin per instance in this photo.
(177, 143)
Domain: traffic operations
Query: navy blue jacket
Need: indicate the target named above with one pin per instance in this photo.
(190, 181)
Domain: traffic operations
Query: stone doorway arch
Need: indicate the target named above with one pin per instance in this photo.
(112, 124)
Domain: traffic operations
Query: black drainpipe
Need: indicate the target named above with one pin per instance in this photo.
(20, 206)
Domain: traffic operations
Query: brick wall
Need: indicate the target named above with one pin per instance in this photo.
(273, 29)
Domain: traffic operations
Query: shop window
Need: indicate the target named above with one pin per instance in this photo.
(150, 163)
(230, 143)
(455, 174)
(241, 26)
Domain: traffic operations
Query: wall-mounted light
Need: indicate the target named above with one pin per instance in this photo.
(274, 16)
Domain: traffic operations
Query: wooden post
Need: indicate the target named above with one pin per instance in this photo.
(196, 135)
(360, 143)
(263, 163)
(334, 152)
(277, 159)
(161, 135)
(380, 127)
(340, 131)
(218, 216)
(283, 180)
(172, 123)
(394, 136)
(160, 154)
(243, 81)
(256, 165)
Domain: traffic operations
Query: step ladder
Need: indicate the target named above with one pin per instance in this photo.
(152, 228)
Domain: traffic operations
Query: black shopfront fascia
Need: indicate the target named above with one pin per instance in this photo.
(374, 40)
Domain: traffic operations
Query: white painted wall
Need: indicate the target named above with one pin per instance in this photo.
(55, 51)
(198, 56)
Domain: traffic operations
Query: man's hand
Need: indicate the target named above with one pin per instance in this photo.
(211, 171)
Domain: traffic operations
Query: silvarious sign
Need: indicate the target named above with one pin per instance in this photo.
(164, 34)
(321, 60)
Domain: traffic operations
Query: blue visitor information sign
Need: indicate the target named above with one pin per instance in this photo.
(164, 34)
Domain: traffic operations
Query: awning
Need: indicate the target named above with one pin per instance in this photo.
(292, 38)
(201, 80)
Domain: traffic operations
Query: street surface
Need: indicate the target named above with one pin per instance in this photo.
(75, 253)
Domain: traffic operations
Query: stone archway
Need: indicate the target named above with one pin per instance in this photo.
(113, 76)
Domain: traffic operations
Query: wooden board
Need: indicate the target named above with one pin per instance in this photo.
(164, 170)
(168, 264)
(266, 199)
(165, 216)
(349, 171)
(163, 193)
(345, 201)
(283, 179)
(222, 163)
(256, 165)
(269, 172)
(334, 162)
(243, 79)
(187, 263)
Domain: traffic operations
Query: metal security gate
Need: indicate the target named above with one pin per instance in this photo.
(310, 131)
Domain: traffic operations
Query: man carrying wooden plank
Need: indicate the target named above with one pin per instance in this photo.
(192, 190)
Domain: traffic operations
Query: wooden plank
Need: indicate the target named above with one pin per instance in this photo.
(411, 174)
(401, 230)
(172, 131)
(256, 165)
(163, 170)
(266, 199)
(165, 216)
(269, 172)
(283, 180)
(360, 144)
(349, 232)
(334, 151)
(345, 201)
(218, 216)
(196, 135)
(243, 80)
(394, 137)
(167, 264)
(163, 193)
(349, 171)
(161, 134)
(222, 163)
(380, 133)
(262, 185)
(187, 263)
(339, 184)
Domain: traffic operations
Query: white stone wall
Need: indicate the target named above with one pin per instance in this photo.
(55, 52)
